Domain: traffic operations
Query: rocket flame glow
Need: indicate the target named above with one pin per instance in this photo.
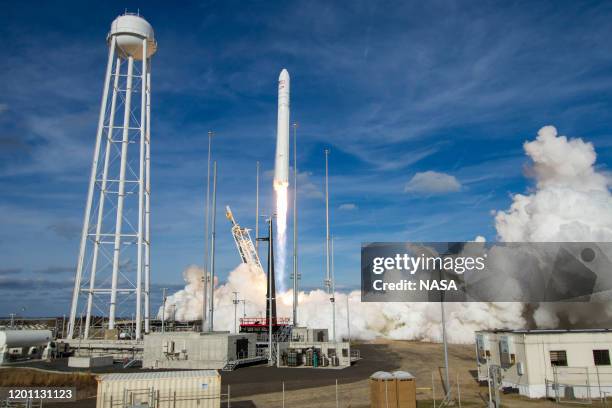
(281, 237)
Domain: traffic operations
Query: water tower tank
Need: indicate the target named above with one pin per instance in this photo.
(130, 30)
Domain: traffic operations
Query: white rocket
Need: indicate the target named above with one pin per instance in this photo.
(281, 164)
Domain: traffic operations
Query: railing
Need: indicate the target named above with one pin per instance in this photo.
(263, 321)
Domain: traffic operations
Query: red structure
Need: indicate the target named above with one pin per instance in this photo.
(260, 324)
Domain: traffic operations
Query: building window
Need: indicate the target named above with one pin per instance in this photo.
(558, 358)
(601, 357)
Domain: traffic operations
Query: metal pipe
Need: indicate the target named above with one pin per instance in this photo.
(336, 393)
(296, 275)
(90, 190)
(121, 193)
(141, 176)
(109, 141)
(212, 249)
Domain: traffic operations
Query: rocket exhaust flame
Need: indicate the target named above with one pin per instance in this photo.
(281, 227)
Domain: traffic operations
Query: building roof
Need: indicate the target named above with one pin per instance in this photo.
(545, 331)
(155, 375)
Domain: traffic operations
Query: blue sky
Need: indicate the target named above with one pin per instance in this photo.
(424, 105)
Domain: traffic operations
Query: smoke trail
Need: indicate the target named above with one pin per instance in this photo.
(281, 239)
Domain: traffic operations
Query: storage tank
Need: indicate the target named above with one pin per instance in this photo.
(131, 30)
(24, 338)
(176, 389)
(383, 393)
(406, 389)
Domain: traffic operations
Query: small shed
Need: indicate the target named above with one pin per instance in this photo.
(383, 390)
(406, 389)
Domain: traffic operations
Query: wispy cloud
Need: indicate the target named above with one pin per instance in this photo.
(347, 207)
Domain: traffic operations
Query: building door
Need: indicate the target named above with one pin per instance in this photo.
(242, 348)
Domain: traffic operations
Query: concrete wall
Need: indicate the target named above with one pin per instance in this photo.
(193, 350)
(531, 368)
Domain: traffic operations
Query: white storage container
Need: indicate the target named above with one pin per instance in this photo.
(168, 389)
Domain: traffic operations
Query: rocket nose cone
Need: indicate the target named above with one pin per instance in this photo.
(284, 74)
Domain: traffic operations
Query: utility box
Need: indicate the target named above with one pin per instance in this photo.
(167, 389)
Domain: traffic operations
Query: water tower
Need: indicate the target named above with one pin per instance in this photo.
(113, 268)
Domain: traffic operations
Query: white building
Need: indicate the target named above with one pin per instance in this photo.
(193, 350)
(563, 364)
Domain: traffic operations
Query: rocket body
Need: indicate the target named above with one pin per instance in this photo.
(281, 162)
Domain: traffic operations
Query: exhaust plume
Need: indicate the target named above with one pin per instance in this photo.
(571, 202)
(281, 236)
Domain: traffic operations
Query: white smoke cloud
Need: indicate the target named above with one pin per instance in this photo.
(571, 202)
(368, 320)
